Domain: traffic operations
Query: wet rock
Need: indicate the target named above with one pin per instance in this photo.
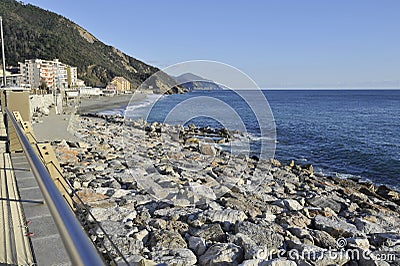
(223, 254)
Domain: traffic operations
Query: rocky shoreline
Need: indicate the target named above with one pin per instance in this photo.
(213, 208)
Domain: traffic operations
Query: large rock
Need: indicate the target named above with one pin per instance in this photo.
(207, 149)
(386, 239)
(89, 195)
(323, 239)
(250, 248)
(176, 257)
(176, 213)
(293, 219)
(199, 194)
(110, 214)
(164, 239)
(325, 202)
(279, 262)
(328, 258)
(210, 232)
(249, 205)
(358, 242)
(261, 235)
(388, 193)
(223, 254)
(335, 226)
(274, 262)
(227, 215)
(197, 245)
(119, 236)
(367, 226)
(289, 204)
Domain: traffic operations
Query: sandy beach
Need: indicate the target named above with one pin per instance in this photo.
(100, 103)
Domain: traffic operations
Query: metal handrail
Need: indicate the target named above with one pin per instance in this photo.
(80, 249)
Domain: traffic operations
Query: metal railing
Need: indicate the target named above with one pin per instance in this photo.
(80, 249)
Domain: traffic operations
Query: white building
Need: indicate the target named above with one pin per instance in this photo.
(60, 74)
(51, 73)
(89, 91)
(72, 73)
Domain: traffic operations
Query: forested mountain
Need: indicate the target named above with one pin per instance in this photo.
(31, 32)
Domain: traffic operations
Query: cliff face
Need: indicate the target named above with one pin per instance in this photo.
(31, 32)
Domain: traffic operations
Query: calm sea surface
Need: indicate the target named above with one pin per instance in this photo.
(341, 132)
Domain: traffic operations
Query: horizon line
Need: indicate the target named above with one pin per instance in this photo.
(331, 88)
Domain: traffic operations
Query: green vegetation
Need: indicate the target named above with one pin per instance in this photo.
(31, 32)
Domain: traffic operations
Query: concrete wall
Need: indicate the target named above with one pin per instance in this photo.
(40, 101)
(44, 101)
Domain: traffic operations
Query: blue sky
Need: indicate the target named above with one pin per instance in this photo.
(279, 43)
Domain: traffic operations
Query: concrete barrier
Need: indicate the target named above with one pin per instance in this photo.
(43, 102)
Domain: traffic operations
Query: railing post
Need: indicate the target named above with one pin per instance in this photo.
(15, 99)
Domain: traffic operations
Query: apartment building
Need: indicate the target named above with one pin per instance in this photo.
(51, 74)
(120, 84)
(72, 77)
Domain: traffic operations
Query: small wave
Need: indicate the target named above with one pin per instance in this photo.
(258, 138)
(112, 112)
(342, 175)
(302, 160)
(236, 147)
(150, 99)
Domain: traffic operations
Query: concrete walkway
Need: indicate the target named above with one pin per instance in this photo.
(15, 248)
(28, 234)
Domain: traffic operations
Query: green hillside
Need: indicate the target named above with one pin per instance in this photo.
(31, 32)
